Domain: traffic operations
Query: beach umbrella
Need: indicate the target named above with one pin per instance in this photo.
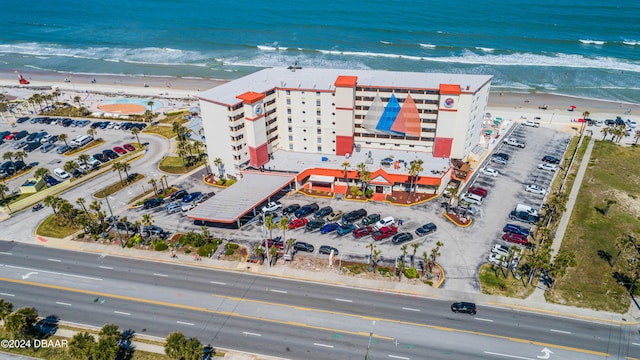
(573, 106)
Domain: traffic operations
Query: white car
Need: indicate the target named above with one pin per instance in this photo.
(536, 189)
(61, 173)
(534, 124)
(501, 250)
(272, 206)
(497, 259)
(490, 171)
(547, 166)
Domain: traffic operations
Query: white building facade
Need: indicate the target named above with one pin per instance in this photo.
(337, 112)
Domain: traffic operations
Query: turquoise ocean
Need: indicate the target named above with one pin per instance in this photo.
(584, 48)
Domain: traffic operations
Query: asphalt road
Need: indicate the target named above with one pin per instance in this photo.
(286, 318)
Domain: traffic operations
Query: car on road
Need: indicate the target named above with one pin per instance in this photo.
(330, 227)
(128, 147)
(290, 209)
(323, 212)
(385, 232)
(371, 219)
(152, 203)
(303, 246)
(524, 217)
(362, 232)
(551, 159)
(516, 229)
(490, 171)
(478, 191)
(401, 238)
(530, 123)
(345, 229)
(298, 223)
(314, 224)
(306, 210)
(464, 307)
(326, 249)
(119, 150)
(536, 189)
(515, 238)
(191, 198)
(547, 166)
(272, 206)
(335, 215)
(61, 173)
(47, 147)
(354, 216)
(426, 229)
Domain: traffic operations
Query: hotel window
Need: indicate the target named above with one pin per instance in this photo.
(290, 146)
(289, 120)
(318, 122)
(317, 102)
(319, 131)
(319, 147)
(290, 137)
(289, 111)
(288, 92)
(318, 112)
(290, 129)
(288, 101)
(317, 93)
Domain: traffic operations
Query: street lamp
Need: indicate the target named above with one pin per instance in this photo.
(366, 355)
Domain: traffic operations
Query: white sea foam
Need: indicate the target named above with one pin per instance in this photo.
(485, 49)
(386, 42)
(631, 42)
(271, 48)
(592, 42)
(428, 46)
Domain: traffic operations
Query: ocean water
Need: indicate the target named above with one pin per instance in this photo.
(582, 48)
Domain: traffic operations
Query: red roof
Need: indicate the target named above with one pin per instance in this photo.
(353, 174)
(450, 89)
(251, 97)
(346, 81)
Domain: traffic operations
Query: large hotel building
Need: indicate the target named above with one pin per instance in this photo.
(338, 112)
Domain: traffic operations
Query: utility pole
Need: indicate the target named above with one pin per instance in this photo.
(366, 355)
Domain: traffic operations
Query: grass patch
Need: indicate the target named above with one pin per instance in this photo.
(117, 186)
(612, 174)
(89, 146)
(162, 130)
(493, 282)
(49, 227)
(172, 117)
(175, 165)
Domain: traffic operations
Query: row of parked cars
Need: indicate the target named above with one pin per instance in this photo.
(64, 122)
(118, 125)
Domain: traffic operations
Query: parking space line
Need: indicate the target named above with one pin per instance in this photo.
(55, 260)
(5, 294)
(279, 291)
(5, 253)
(399, 357)
(163, 275)
(106, 267)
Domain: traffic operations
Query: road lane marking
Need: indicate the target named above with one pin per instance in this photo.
(163, 275)
(121, 313)
(5, 253)
(323, 345)
(218, 283)
(55, 260)
(560, 331)
(5, 294)
(483, 319)
(63, 303)
(250, 333)
(398, 357)
(53, 272)
(410, 309)
(184, 323)
(106, 267)
(508, 356)
(519, 308)
(278, 291)
(344, 300)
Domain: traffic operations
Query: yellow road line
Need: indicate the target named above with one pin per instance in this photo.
(565, 315)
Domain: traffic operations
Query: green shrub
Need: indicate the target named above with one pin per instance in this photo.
(428, 282)
(229, 252)
(368, 193)
(230, 182)
(207, 249)
(161, 246)
(221, 181)
(188, 251)
(81, 235)
(130, 244)
(232, 246)
(359, 193)
(383, 271)
(353, 190)
(411, 273)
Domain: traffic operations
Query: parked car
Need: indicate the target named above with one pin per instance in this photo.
(290, 209)
(272, 206)
(426, 229)
(314, 224)
(547, 166)
(354, 216)
(32, 146)
(478, 191)
(326, 249)
(277, 242)
(371, 219)
(51, 181)
(498, 259)
(514, 142)
(47, 147)
(516, 229)
(401, 238)
(128, 147)
(323, 212)
(362, 232)
(335, 215)
(119, 150)
(500, 249)
(303, 246)
(191, 198)
(330, 227)
(110, 154)
(523, 216)
(345, 229)
(306, 210)
(20, 144)
(62, 149)
(152, 203)
(490, 171)
(551, 159)
(11, 136)
(20, 120)
(502, 155)
(101, 157)
(499, 160)
(61, 173)
(178, 195)
(515, 238)
(298, 223)
(536, 189)
(385, 232)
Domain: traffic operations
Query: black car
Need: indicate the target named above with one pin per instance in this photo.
(152, 230)
(32, 137)
(326, 249)
(371, 219)
(51, 180)
(3, 134)
(402, 237)
(355, 215)
(290, 209)
(12, 167)
(502, 155)
(524, 216)
(426, 229)
(306, 210)
(67, 122)
(551, 159)
(464, 307)
(76, 173)
(314, 224)
(151, 203)
(110, 154)
(96, 124)
(22, 119)
(32, 146)
(101, 157)
(178, 195)
(323, 212)
(303, 246)
(21, 135)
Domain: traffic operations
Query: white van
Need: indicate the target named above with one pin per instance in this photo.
(527, 209)
(472, 198)
(82, 141)
(174, 207)
(388, 221)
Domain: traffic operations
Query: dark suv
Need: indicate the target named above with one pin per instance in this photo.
(306, 210)
(354, 215)
(464, 307)
(551, 159)
(151, 203)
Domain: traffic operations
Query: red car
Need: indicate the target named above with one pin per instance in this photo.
(10, 136)
(119, 150)
(128, 147)
(298, 223)
(363, 231)
(515, 238)
(385, 232)
(278, 243)
(478, 191)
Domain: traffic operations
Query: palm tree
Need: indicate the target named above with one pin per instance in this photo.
(174, 345)
(70, 166)
(345, 167)
(637, 136)
(6, 308)
(563, 260)
(84, 160)
(179, 130)
(415, 247)
(126, 167)
(218, 163)
(20, 155)
(182, 153)
(605, 132)
(77, 99)
(67, 211)
(362, 168)
(92, 132)
(110, 331)
(162, 183)
(148, 115)
(4, 190)
(404, 248)
(164, 178)
(147, 220)
(153, 183)
(8, 156)
(283, 225)
(82, 346)
(41, 173)
(135, 131)
(53, 202)
(269, 225)
(20, 323)
(81, 201)
(63, 138)
(150, 105)
(623, 243)
(95, 205)
(117, 166)
(414, 172)
(435, 252)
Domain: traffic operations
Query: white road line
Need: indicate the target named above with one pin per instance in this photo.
(344, 300)
(279, 291)
(55, 260)
(250, 333)
(482, 319)
(5, 253)
(121, 313)
(184, 323)
(410, 309)
(398, 357)
(218, 283)
(62, 303)
(508, 356)
(106, 267)
(636, 344)
(53, 272)
(5, 294)
(560, 331)
(323, 345)
(163, 275)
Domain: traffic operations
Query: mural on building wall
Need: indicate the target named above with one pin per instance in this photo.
(393, 118)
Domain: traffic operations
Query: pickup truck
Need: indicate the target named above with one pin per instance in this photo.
(514, 142)
(530, 123)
